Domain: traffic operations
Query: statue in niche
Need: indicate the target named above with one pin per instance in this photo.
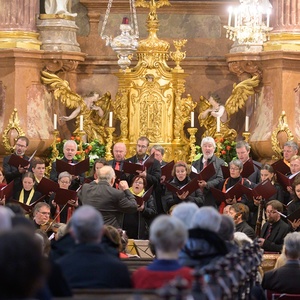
(211, 109)
(93, 108)
(58, 7)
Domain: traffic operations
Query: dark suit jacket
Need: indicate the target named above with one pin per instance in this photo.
(89, 266)
(75, 182)
(255, 176)
(245, 228)
(12, 173)
(275, 242)
(284, 279)
(213, 181)
(153, 172)
(112, 203)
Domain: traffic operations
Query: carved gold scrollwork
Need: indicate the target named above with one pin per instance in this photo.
(246, 66)
(281, 127)
(8, 134)
(61, 65)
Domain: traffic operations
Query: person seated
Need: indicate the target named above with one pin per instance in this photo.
(167, 235)
(181, 177)
(137, 224)
(41, 215)
(89, 265)
(185, 212)
(204, 245)
(286, 278)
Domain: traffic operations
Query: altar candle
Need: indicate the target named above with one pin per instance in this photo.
(110, 121)
(218, 124)
(247, 123)
(268, 18)
(192, 119)
(55, 121)
(81, 123)
(229, 16)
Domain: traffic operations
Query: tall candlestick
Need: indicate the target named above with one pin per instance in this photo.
(218, 124)
(81, 123)
(110, 121)
(247, 123)
(55, 121)
(192, 119)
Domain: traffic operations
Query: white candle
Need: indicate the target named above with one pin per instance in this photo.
(268, 18)
(81, 123)
(192, 119)
(218, 124)
(247, 123)
(110, 121)
(235, 18)
(55, 121)
(229, 16)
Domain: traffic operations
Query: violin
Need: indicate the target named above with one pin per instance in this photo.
(50, 226)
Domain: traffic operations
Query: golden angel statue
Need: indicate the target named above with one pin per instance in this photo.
(95, 109)
(211, 109)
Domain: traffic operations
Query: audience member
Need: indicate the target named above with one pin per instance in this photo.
(185, 212)
(167, 236)
(208, 147)
(5, 218)
(112, 203)
(204, 246)
(275, 229)
(226, 232)
(286, 278)
(88, 265)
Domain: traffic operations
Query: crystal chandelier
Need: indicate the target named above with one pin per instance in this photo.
(126, 43)
(248, 24)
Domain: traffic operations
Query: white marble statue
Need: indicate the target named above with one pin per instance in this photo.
(58, 7)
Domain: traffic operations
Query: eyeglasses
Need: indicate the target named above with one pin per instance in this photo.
(142, 146)
(64, 182)
(21, 146)
(234, 169)
(139, 182)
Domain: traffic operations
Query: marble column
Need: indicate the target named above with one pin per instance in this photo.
(286, 26)
(17, 24)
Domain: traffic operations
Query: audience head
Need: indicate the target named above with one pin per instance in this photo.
(208, 146)
(15, 208)
(28, 181)
(119, 151)
(226, 209)
(290, 148)
(87, 225)
(227, 228)
(113, 237)
(23, 267)
(64, 180)
(142, 146)
(21, 145)
(106, 173)
(41, 213)
(242, 239)
(239, 212)
(292, 245)
(61, 231)
(295, 164)
(167, 234)
(184, 212)
(20, 222)
(124, 239)
(267, 172)
(272, 209)
(70, 149)
(98, 164)
(5, 218)
(158, 151)
(242, 151)
(44, 242)
(180, 170)
(235, 168)
(207, 218)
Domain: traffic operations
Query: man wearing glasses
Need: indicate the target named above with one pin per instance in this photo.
(12, 173)
(153, 173)
(41, 214)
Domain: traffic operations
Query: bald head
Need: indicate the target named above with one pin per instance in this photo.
(119, 151)
(106, 173)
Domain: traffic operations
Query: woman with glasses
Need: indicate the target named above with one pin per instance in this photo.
(181, 177)
(137, 224)
(62, 213)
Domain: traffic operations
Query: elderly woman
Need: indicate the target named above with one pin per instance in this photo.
(137, 224)
(181, 177)
(235, 170)
(167, 236)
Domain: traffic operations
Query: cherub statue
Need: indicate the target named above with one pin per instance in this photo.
(95, 109)
(211, 109)
(58, 7)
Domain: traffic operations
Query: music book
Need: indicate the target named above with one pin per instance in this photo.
(229, 194)
(62, 196)
(17, 161)
(248, 169)
(131, 168)
(281, 166)
(265, 189)
(143, 249)
(205, 174)
(191, 187)
(7, 191)
(144, 197)
(294, 216)
(46, 186)
(166, 170)
(286, 181)
(73, 169)
(28, 208)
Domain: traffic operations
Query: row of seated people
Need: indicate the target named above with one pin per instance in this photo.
(194, 243)
(137, 218)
